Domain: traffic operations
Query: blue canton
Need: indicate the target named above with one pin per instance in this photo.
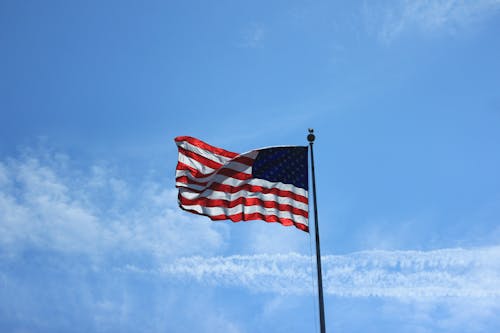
(287, 165)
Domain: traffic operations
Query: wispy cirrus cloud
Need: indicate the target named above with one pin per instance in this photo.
(46, 204)
(252, 36)
(390, 19)
(401, 274)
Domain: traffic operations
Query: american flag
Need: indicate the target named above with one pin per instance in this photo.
(269, 184)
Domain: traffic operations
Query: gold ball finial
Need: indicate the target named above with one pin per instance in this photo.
(311, 136)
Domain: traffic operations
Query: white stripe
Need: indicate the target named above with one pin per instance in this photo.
(195, 164)
(214, 211)
(203, 152)
(253, 182)
(230, 164)
(250, 154)
(218, 195)
(193, 187)
(236, 166)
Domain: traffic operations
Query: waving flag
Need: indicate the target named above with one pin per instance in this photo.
(269, 184)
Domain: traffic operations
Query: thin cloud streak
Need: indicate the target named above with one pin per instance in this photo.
(390, 20)
(401, 274)
(253, 36)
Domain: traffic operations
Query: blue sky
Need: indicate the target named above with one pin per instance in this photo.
(404, 98)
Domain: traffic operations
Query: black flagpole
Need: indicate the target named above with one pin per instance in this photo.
(311, 138)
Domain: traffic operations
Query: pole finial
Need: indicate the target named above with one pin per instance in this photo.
(311, 136)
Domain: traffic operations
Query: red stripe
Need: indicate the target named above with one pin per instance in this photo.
(219, 168)
(259, 216)
(187, 180)
(194, 172)
(302, 227)
(242, 201)
(229, 173)
(203, 160)
(253, 216)
(253, 188)
(243, 160)
(206, 146)
(234, 174)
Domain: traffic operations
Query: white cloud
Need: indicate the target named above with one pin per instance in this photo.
(253, 36)
(44, 204)
(3, 175)
(282, 273)
(400, 274)
(391, 19)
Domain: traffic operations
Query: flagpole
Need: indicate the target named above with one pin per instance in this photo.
(311, 138)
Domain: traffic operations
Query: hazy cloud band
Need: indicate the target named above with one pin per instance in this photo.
(45, 206)
(446, 272)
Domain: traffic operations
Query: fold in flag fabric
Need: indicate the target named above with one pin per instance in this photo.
(269, 184)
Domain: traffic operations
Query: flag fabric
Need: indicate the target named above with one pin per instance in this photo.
(269, 184)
